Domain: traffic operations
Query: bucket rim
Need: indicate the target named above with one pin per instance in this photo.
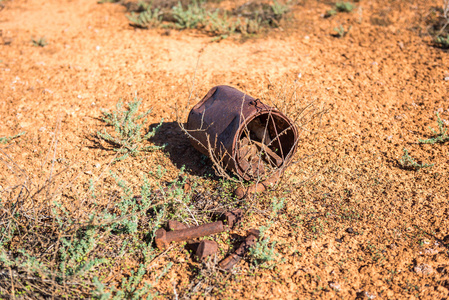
(273, 112)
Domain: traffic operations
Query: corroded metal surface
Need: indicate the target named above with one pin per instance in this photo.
(230, 261)
(205, 249)
(241, 133)
(164, 238)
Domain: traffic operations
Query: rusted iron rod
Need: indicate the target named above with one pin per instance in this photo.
(164, 238)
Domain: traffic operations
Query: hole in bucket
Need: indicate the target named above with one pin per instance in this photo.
(264, 145)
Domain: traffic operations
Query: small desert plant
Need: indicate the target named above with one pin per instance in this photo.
(263, 253)
(221, 25)
(408, 163)
(40, 42)
(192, 17)
(253, 26)
(80, 255)
(344, 6)
(341, 32)
(128, 136)
(148, 18)
(440, 137)
(279, 10)
(330, 13)
(339, 7)
(6, 139)
(442, 42)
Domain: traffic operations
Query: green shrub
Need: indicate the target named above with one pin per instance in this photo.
(442, 42)
(440, 137)
(146, 19)
(279, 10)
(6, 139)
(263, 254)
(341, 32)
(344, 6)
(40, 42)
(127, 126)
(192, 17)
(63, 256)
(408, 163)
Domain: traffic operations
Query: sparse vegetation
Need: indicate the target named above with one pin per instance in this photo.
(344, 6)
(128, 130)
(194, 16)
(441, 136)
(330, 13)
(442, 42)
(216, 22)
(341, 32)
(408, 163)
(345, 221)
(438, 25)
(40, 42)
(340, 7)
(279, 10)
(63, 255)
(108, 1)
(147, 18)
(263, 254)
(6, 139)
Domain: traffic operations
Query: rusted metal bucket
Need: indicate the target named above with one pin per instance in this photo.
(241, 133)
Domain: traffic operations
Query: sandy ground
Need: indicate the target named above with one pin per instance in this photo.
(361, 227)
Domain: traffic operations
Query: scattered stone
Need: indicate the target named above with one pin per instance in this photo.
(370, 295)
(423, 269)
(393, 246)
(339, 240)
(335, 286)
(430, 251)
(350, 230)
(390, 294)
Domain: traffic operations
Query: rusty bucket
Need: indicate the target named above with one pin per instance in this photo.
(242, 134)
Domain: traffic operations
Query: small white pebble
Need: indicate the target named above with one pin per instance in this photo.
(446, 78)
(307, 37)
(430, 251)
(97, 165)
(80, 97)
(299, 75)
(130, 84)
(335, 285)
(98, 48)
(423, 269)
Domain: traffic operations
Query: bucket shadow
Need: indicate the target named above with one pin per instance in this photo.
(180, 151)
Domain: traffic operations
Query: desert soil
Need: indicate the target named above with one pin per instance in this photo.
(360, 226)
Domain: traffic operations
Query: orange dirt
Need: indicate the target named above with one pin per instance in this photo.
(362, 226)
